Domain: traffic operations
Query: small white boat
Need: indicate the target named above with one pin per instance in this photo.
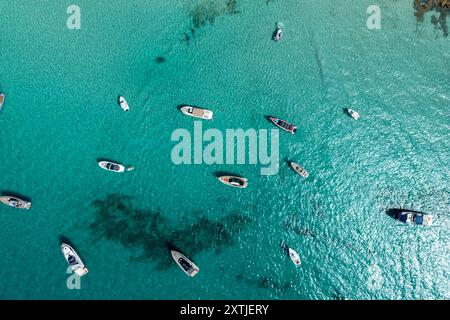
(2, 100)
(355, 115)
(301, 171)
(74, 260)
(111, 166)
(294, 257)
(197, 112)
(185, 264)
(123, 104)
(234, 181)
(15, 202)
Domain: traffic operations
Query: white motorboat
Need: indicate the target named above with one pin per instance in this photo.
(74, 260)
(111, 166)
(294, 257)
(123, 104)
(301, 171)
(185, 264)
(197, 112)
(355, 115)
(234, 181)
(15, 202)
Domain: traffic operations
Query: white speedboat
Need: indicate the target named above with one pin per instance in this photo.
(185, 264)
(111, 166)
(301, 171)
(2, 100)
(197, 112)
(74, 260)
(352, 113)
(294, 257)
(15, 202)
(123, 104)
(234, 181)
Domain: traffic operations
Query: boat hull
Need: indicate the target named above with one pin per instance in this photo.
(413, 217)
(233, 181)
(15, 202)
(111, 166)
(77, 265)
(185, 264)
(295, 258)
(197, 112)
(2, 100)
(299, 170)
(123, 104)
(284, 125)
(352, 113)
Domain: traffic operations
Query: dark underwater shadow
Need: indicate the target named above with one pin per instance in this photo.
(293, 224)
(153, 236)
(14, 194)
(160, 60)
(207, 11)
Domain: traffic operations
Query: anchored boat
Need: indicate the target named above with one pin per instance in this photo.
(301, 171)
(411, 217)
(74, 260)
(185, 264)
(2, 100)
(284, 125)
(352, 113)
(123, 104)
(234, 181)
(197, 112)
(111, 166)
(278, 33)
(15, 202)
(294, 257)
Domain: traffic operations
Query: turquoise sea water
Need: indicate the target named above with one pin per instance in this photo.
(61, 115)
